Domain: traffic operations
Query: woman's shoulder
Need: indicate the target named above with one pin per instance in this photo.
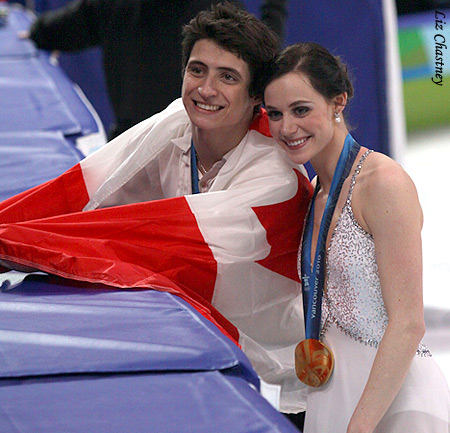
(384, 188)
(380, 173)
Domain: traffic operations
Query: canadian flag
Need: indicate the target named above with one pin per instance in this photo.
(231, 253)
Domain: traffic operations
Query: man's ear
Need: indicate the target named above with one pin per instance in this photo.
(257, 104)
(257, 100)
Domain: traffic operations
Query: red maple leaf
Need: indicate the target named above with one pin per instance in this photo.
(284, 226)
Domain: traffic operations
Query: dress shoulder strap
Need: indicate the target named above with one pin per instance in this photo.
(357, 171)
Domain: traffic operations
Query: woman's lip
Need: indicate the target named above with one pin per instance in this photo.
(294, 144)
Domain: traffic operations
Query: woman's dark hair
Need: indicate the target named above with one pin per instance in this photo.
(239, 32)
(327, 73)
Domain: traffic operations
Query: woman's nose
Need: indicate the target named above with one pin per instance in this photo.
(288, 125)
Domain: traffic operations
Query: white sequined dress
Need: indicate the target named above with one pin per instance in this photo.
(353, 322)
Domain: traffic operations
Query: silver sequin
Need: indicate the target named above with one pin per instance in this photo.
(353, 299)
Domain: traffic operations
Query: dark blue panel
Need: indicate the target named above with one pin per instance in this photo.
(86, 69)
(353, 30)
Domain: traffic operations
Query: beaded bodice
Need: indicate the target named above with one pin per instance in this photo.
(353, 298)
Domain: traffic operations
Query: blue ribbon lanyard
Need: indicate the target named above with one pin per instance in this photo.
(194, 170)
(313, 278)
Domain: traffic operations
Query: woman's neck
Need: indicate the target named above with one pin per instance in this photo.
(325, 162)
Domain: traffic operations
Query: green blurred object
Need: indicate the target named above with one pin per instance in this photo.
(427, 105)
(412, 49)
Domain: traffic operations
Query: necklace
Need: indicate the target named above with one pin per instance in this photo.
(200, 165)
(196, 166)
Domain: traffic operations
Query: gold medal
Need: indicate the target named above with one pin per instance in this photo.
(314, 362)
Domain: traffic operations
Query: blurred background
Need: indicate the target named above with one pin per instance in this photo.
(395, 50)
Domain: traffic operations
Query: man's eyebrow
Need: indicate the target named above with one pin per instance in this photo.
(220, 68)
(196, 63)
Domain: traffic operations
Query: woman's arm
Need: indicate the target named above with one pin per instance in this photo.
(389, 206)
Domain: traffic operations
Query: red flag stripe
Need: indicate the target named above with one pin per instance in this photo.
(68, 189)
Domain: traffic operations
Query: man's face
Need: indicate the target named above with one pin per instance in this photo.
(215, 89)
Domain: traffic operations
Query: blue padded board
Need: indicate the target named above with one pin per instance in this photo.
(53, 326)
(200, 402)
(30, 158)
(30, 99)
(36, 94)
(18, 20)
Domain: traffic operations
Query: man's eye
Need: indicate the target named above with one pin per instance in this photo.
(195, 70)
(229, 77)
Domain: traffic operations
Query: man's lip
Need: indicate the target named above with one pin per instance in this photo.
(212, 108)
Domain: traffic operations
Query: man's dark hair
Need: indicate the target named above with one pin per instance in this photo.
(238, 32)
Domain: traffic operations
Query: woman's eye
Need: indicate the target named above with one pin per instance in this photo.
(274, 115)
(301, 111)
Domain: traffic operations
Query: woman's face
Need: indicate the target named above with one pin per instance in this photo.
(300, 119)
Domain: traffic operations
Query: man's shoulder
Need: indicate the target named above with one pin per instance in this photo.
(259, 157)
(172, 122)
(265, 149)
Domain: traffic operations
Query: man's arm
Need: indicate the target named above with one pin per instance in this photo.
(73, 27)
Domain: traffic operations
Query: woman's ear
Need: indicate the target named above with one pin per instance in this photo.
(339, 102)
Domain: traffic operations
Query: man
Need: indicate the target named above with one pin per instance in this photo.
(231, 247)
(140, 40)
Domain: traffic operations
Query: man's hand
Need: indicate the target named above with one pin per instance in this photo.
(23, 34)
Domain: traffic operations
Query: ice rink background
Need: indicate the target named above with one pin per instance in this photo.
(427, 160)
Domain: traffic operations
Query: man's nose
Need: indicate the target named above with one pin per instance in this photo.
(208, 87)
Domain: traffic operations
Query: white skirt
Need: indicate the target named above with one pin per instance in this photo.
(421, 406)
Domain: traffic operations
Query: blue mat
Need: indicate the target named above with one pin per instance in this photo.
(36, 94)
(200, 402)
(17, 20)
(53, 326)
(31, 101)
(30, 158)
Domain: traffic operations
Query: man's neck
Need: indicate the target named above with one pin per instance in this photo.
(211, 146)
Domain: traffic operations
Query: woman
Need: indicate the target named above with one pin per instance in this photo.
(384, 378)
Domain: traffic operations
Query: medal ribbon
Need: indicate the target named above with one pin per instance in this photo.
(313, 278)
(194, 170)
